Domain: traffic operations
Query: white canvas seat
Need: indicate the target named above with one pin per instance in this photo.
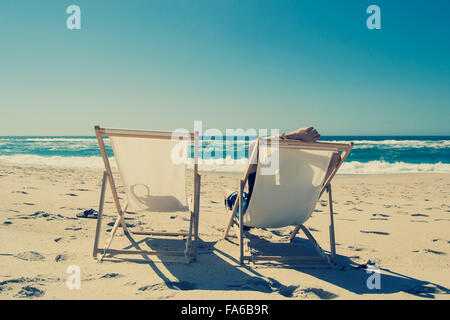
(154, 181)
(288, 195)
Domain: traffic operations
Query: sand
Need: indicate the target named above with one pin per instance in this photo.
(400, 223)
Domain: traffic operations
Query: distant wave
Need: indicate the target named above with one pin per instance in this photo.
(49, 139)
(399, 144)
(383, 167)
(238, 166)
(208, 145)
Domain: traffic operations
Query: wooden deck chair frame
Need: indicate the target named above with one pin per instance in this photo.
(190, 253)
(320, 261)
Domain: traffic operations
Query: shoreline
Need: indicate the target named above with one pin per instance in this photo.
(231, 172)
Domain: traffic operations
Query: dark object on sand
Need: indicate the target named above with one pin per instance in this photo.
(89, 214)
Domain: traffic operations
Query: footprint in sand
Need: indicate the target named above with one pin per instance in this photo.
(20, 192)
(153, 287)
(25, 292)
(375, 232)
(129, 225)
(219, 229)
(64, 239)
(42, 214)
(380, 215)
(6, 284)
(355, 248)
(30, 256)
(156, 287)
(434, 251)
(74, 228)
(440, 240)
(182, 285)
(111, 275)
(61, 257)
(314, 293)
(254, 284)
(30, 292)
(430, 251)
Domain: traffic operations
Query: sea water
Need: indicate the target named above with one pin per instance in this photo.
(370, 155)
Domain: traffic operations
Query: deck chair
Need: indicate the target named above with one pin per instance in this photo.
(289, 196)
(153, 183)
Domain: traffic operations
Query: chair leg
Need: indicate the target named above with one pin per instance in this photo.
(312, 240)
(241, 224)
(229, 224)
(120, 220)
(197, 217)
(332, 235)
(231, 221)
(294, 232)
(188, 249)
(100, 215)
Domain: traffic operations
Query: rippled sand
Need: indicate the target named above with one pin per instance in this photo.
(399, 223)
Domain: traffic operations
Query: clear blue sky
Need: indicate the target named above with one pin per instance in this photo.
(233, 64)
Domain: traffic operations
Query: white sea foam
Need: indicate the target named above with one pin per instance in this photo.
(239, 166)
(17, 139)
(71, 162)
(400, 144)
(382, 167)
(209, 145)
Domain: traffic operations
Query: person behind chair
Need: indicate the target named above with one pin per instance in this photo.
(308, 134)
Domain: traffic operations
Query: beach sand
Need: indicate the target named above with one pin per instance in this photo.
(400, 223)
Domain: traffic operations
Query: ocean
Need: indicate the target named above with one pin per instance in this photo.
(370, 155)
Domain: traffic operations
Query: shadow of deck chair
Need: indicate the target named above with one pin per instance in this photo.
(288, 195)
(154, 182)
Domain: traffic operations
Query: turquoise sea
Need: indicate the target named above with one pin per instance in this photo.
(371, 154)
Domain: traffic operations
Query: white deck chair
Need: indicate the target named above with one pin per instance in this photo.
(288, 197)
(153, 183)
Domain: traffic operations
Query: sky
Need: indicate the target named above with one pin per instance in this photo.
(280, 64)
